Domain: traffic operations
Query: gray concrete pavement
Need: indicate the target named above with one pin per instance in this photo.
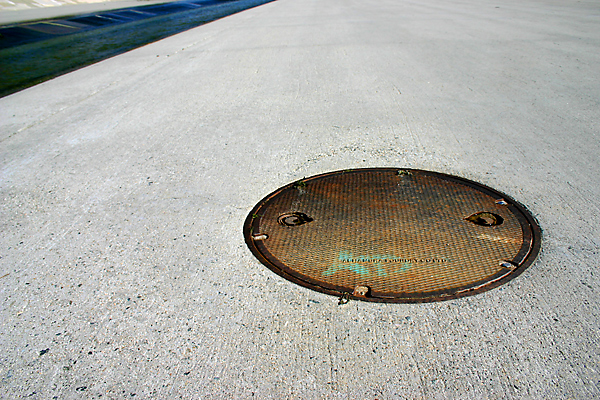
(124, 187)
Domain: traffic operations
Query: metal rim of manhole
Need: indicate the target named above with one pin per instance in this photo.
(392, 235)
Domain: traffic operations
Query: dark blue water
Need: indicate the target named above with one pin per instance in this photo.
(31, 53)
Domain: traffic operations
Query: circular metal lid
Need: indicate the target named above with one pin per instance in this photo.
(392, 235)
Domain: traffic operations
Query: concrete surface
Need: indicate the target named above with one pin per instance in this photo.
(124, 187)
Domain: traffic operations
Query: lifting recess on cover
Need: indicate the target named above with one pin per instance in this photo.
(392, 235)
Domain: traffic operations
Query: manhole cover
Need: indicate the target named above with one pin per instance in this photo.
(392, 235)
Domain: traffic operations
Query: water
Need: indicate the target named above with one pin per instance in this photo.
(28, 60)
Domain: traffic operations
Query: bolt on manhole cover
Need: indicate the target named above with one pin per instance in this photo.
(392, 235)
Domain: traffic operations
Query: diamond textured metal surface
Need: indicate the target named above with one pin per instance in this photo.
(392, 235)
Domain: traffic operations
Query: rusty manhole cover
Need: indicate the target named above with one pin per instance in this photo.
(392, 235)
